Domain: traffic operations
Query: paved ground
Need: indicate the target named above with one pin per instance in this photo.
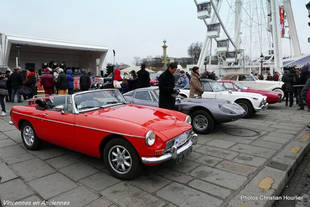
(241, 164)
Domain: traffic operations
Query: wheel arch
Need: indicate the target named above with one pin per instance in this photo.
(108, 138)
(244, 99)
(196, 108)
(21, 122)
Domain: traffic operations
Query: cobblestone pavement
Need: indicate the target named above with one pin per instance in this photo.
(242, 164)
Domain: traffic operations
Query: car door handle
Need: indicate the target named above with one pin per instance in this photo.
(44, 114)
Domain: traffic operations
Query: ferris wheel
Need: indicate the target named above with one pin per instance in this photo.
(245, 32)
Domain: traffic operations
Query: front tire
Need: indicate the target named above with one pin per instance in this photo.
(29, 137)
(121, 159)
(247, 106)
(202, 122)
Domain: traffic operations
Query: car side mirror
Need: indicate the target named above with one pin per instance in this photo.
(60, 108)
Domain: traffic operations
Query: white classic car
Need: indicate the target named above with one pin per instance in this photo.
(251, 81)
(250, 102)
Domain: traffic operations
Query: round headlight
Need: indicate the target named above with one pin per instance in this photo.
(188, 119)
(150, 138)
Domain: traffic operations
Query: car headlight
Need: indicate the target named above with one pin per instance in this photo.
(226, 109)
(188, 119)
(150, 138)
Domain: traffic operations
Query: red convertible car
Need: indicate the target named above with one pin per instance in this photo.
(272, 97)
(100, 123)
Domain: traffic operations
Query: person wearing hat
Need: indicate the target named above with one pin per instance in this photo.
(48, 81)
(195, 84)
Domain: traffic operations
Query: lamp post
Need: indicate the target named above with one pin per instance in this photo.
(165, 62)
(261, 63)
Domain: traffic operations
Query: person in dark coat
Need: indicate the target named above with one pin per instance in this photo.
(143, 77)
(166, 88)
(3, 93)
(70, 81)
(16, 84)
(133, 80)
(305, 93)
(31, 82)
(8, 84)
(305, 74)
(84, 81)
(61, 83)
(288, 86)
(48, 81)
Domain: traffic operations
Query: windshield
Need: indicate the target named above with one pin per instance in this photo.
(216, 86)
(98, 98)
(240, 86)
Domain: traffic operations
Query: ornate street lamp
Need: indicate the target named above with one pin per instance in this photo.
(165, 62)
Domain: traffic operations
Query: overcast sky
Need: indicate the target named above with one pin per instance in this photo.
(133, 28)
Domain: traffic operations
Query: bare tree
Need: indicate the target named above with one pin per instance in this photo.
(136, 60)
(194, 51)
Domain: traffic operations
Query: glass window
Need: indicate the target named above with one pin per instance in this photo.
(143, 95)
(129, 93)
(96, 99)
(216, 86)
(54, 101)
(249, 78)
(229, 86)
(206, 86)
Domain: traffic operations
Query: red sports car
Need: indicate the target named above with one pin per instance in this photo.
(100, 123)
(272, 97)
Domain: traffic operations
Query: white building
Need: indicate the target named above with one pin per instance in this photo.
(31, 52)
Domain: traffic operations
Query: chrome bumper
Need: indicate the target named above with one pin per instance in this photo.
(263, 107)
(174, 152)
(11, 123)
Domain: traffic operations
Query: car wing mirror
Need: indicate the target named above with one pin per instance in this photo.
(60, 108)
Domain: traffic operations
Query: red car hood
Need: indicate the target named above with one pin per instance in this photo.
(262, 92)
(165, 123)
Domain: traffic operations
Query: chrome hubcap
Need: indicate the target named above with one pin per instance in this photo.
(28, 135)
(200, 122)
(120, 159)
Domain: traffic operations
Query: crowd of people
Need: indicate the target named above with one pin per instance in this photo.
(23, 84)
(296, 85)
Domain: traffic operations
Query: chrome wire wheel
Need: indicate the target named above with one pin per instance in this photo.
(200, 122)
(28, 135)
(120, 159)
